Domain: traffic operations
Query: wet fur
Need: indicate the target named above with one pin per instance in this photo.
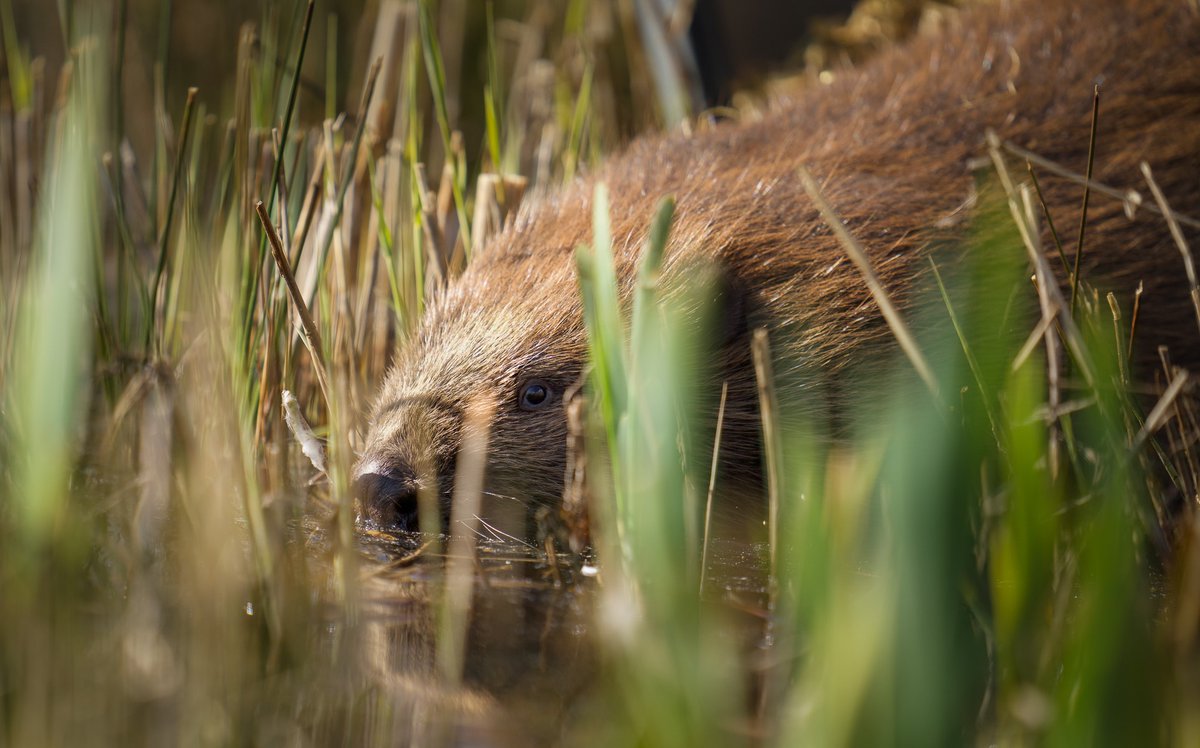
(891, 144)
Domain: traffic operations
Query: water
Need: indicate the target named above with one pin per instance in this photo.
(531, 672)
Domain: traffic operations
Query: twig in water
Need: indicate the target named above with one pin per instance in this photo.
(310, 445)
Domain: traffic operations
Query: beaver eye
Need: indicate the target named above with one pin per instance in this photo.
(535, 395)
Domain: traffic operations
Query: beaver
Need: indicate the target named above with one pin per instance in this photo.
(896, 145)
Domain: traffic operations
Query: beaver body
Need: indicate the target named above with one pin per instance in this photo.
(893, 145)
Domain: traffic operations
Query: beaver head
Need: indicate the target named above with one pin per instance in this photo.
(508, 335)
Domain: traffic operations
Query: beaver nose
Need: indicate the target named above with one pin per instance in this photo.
(389, 498)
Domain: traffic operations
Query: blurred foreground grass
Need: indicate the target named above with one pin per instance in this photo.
(987, 564)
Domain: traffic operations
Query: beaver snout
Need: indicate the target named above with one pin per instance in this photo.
(388, 496)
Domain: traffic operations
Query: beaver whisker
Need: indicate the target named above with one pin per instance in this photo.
(467, 525)
(499, 534)
(495, 495)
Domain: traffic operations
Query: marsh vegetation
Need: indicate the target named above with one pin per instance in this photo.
(1007, 555)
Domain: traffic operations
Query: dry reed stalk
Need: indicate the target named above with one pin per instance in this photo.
(1054, 298)
(1053, 347)
(1122, 363)
(456, 233)
(1131, 198)
(1186, 619)
(452, 34)
(464, 521)
(286, 124)
(858, 256)
(155, 444)
(712, 485)
(223, 175)
(281, 192)
(1185, 251)
(1050, 301)
(408, 101)
(305, 221)
(367, 283)
(342, 324)
(1188, 424)
(1137, 305)
(1158, 413)
(39, 111)
(1054, 367)
(1062, 255)
(387, 44)
(137, 205)
(351, 170)
(1087, 193)
(325, 210)
(574, 511)
(404, 309)
(158, 295)
(439, 258)
(399, 217)
(8, 246)
(23, 180)
(270, 366)
(340, 458)
(772, 439)
(312, 336)
(672, 65)
(496, 198)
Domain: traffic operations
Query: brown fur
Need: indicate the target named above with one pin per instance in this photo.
(891, 144)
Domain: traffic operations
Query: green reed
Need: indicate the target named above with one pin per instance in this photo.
(986, 569)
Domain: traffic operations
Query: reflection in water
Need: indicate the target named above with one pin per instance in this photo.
(528, 658)
(531, 668)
